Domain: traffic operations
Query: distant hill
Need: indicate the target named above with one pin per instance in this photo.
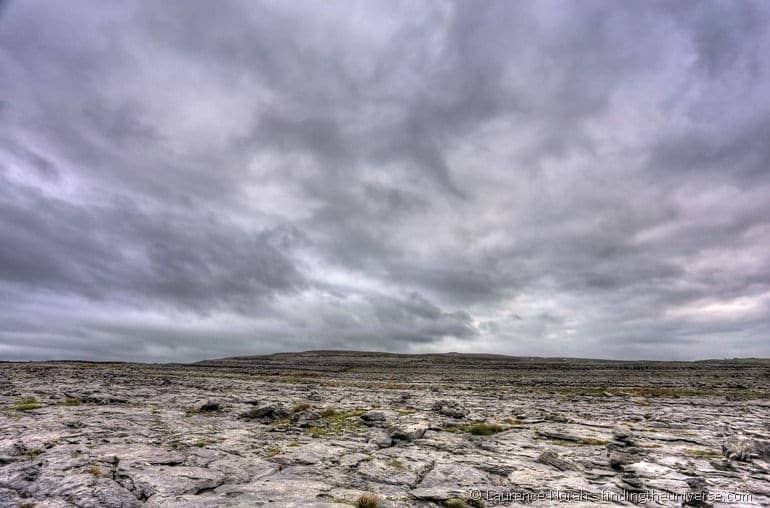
(346, 359)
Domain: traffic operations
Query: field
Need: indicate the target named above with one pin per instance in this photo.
(331, 428)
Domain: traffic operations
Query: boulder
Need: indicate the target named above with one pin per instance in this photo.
(407, 432)
(373, 418)
(266, 414)
(209, 406)
(550, 458)
(745, 449)
(449, 408)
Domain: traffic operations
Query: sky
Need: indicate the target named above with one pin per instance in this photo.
(183, 180)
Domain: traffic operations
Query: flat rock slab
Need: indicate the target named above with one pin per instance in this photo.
(323, 429)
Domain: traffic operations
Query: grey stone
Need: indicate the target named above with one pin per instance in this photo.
(266, 414)
(408, 432)
(551, 459)
(449, 408)
(210, 406)
(154, 451)
(373, 417)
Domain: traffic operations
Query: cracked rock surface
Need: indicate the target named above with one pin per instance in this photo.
(323, 428)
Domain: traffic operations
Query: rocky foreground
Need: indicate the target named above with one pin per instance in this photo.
(335, 429)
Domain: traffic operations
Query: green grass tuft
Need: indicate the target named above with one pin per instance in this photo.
(31, 454)
(27, 404)
(272, 451)
(696, 452)
(334, 423)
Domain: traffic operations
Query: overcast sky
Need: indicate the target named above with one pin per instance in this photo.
(187, 180)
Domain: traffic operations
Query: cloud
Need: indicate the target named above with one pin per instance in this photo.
(188, 180)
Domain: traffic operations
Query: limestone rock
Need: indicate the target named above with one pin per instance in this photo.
(551, 459)
(320, 429)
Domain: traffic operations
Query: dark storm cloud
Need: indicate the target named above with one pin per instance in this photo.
(116, 251)
(182, 180)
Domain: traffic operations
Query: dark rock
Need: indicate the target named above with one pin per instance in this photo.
(618, 459)
(373, 417)
(210, 406)
(632, 483)
(557, 435)
(550, 458)
(101, 400)
(722, 465)
(621, 434)
(266, 414)
(449, 408)
(621, 439)
(698, 493)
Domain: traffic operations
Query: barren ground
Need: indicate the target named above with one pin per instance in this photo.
(324, 428)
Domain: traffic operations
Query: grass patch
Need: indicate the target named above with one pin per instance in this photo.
(317, 431)
(697, 452)
(463, 503)
(661, 392)
(391, 386)
(367, 501)
(272, 451)
(396, 464)
(513, 421)
(666, 392)
(595, 391)
(477, 429)
(31, 454)
(563, 442)
(300, 407)
(72, 402)
(27, 404)
(334, 423)
(589, 441)
(95, 471)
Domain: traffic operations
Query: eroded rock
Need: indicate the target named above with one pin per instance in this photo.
(326, 428)
(745, 449)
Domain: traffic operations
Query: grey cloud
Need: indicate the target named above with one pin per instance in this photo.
(185, 180)
(116, 250)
